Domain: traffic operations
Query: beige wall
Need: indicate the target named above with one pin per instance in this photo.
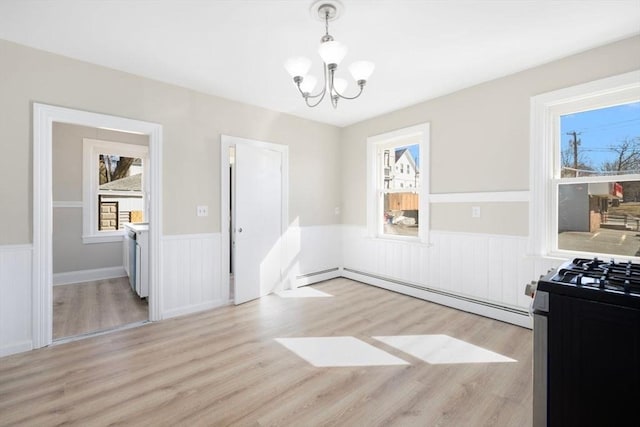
(69, 253)
(192, 124)
(479, 139)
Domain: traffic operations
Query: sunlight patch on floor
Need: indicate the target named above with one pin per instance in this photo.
(305, 292)
(339, 352)
(442, 349)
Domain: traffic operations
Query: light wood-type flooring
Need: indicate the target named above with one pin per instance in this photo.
(223, 367)
(95, 306)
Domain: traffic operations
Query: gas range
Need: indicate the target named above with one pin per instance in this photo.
(597, 280)
(586, 334)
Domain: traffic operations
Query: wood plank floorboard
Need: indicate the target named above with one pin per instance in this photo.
(223, 367)
(99, 305)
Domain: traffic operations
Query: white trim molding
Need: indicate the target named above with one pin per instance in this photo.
(42, 281)
(412, 135)
(480, 197)
(91, 149)
(67, 204)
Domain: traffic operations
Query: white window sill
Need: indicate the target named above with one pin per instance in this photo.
(106, 238)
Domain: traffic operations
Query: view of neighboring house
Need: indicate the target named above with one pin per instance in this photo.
(402, 174)
(400, 170)
(406, 172)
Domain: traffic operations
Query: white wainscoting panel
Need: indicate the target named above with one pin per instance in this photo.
(15, 299)
(313, 254)
(191, 273)
(488, 269)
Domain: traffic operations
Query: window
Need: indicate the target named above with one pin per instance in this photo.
(590, 154)
(397, 204)
(113, 188)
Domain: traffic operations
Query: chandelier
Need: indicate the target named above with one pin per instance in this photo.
(331, 52)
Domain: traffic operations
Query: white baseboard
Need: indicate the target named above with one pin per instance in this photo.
(16, 348)
(181, 311)
(320, 276)
(492, 311)
(80, 276)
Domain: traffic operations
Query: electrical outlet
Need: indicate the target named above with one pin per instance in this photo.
(202, 210)
(475, 212)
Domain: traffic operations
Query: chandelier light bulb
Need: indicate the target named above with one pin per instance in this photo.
(308, 83)
(298, 66)
(332, 52)
(339, 85)
(361, 70)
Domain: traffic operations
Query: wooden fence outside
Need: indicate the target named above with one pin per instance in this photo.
(401, 202)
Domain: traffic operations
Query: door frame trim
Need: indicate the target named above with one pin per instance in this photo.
(227, 142)
(42, 266)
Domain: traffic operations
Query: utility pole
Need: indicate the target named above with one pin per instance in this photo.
(575, 144)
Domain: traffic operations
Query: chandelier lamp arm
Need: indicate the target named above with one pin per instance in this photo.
(320, 95)
(335, 92)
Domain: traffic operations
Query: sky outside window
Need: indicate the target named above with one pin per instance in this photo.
(601, 134)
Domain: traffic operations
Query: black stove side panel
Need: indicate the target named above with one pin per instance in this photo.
(594, 363)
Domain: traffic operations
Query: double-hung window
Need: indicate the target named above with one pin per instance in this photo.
(586, 170)
(398, 184)
(113, 188)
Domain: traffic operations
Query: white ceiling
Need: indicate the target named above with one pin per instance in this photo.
(236, 48)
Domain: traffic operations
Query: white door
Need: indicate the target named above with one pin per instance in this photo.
(257, 223)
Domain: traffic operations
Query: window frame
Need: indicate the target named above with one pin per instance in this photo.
(545, 161)
(91, 149)
(419, 134)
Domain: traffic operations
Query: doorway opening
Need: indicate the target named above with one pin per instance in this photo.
(44, 117)
(254, 217)
(100, 187)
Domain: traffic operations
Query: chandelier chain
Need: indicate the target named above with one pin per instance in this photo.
(326, 22)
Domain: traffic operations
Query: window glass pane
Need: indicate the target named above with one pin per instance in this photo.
(600, 217)
(121, 176)
(404, 161)
(115, 211)
(119, 173)
(401, 213)
(598, 142)
(401, 170)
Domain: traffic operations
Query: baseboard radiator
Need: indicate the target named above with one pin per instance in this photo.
(508, 314)
(317, 273)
